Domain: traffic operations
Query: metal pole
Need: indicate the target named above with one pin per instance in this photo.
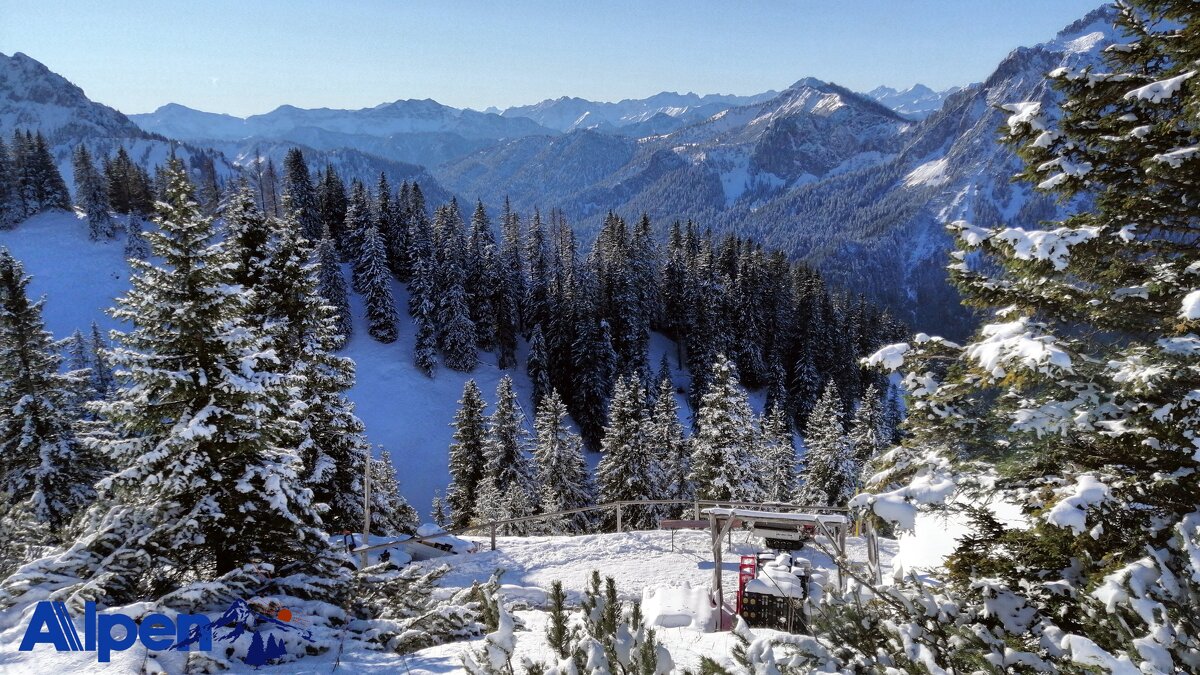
(696, 510)
(618, 517)
(366, 504)
(716, 549)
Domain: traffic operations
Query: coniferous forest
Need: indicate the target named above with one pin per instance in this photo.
(207, 455)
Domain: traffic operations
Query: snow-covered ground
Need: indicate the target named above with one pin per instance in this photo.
(636, 561)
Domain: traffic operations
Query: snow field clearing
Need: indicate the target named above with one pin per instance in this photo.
(635, 560)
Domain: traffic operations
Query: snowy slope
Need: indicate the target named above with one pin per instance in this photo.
(79, 278)
(404, 411)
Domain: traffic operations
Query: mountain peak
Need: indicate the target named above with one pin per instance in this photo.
(810, 83)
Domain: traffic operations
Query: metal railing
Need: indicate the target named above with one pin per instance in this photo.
(697, 505)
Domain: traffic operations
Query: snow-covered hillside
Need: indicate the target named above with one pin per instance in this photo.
(404, 411)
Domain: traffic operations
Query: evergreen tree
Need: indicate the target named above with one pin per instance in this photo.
(10, 200)
(468, 456)
(202, 485)
(665, 437)
(482, 278)
(507, 440)
(136, 246)
(49, 188)
(331, 286)
(866, 437)
(628, 470)
(353, 246)
(377, 288)
(91, 195)
(510, 290)
(829, 475)
(42, 468)
(298, 191)
(303, 332)
(247, 236)
(103, 378)
(424, 319)
(537, 366)
(390, 511)
(1073, 400)
(593, 365)
(129, 189)
(331, 204)
(724, 465)
(778, 453)
(563, 475)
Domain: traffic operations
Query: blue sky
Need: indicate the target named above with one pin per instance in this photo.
(250, 56)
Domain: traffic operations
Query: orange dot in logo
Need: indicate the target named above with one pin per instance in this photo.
(284, 615)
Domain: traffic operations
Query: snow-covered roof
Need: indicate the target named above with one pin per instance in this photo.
(752, 514)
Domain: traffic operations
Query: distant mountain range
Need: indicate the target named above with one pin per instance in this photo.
(917, 102)
(857, 184)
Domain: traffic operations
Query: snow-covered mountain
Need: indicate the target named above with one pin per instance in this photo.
(831, 176)
(917, 102)
(32, 97)
(880, 229)
(672, 109)
(421, 132)
(741, 153)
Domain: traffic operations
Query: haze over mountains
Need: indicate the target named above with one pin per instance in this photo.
(858, 184)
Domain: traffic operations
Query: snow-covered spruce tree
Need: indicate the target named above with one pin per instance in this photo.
(390, 511)
(628, 470)
(458, 331)
(246, 236)
(201, 485)
(103, 379)
(421, 306)
(10, 200)
(468, 455)
(332, 287)
(136, 247)
(672, 451)
(507, 440)
(299, 192)
(1076, 401)
(866, 432)
(42, 467)
(510, 290)
(482, 278)
(377, 288)
(359, 219)
(724, 466)
(331, 439)
(91, 195)
(778, 452)
(828, 475)
(537, 366)
(563, 477)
